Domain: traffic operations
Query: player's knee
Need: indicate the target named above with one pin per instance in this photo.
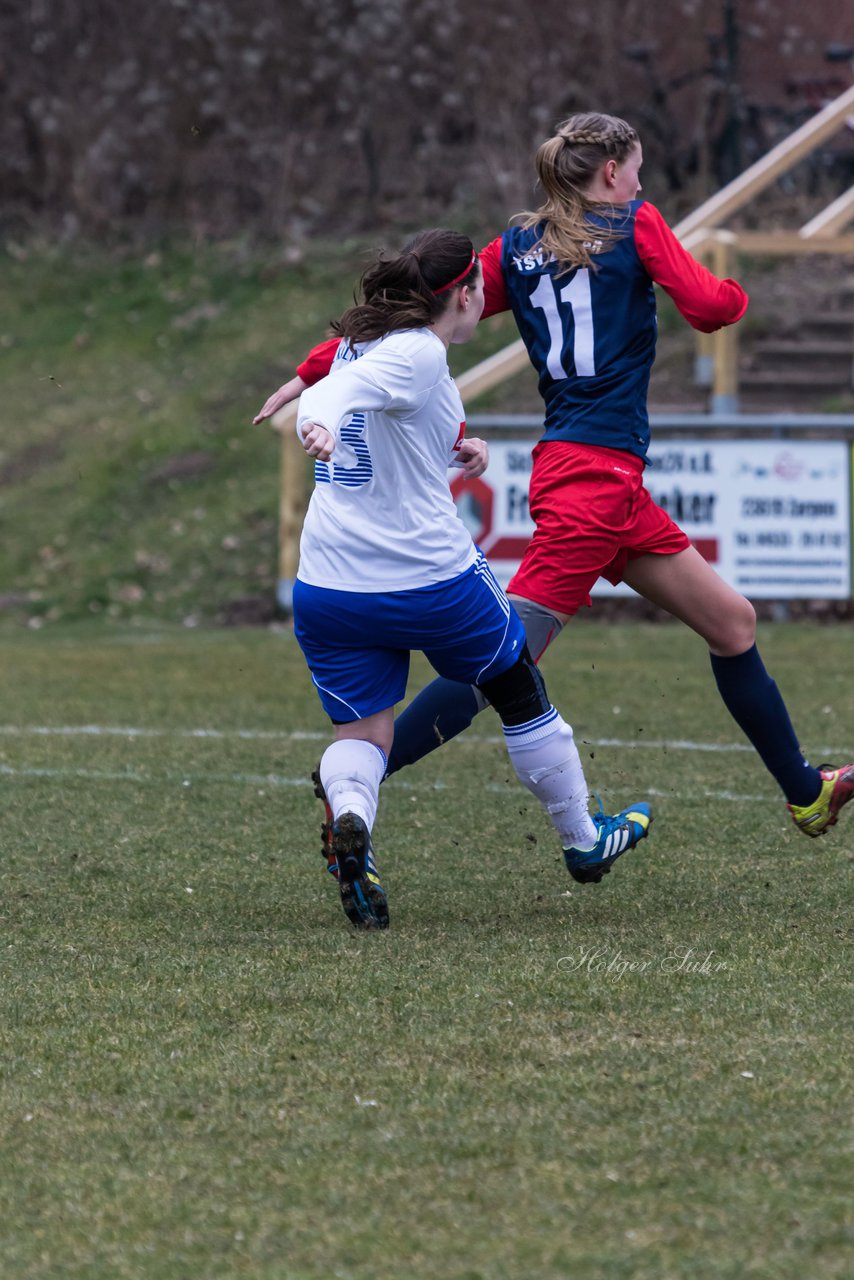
(541, 624)
(518, 694)
(735, 631)
(357, 761)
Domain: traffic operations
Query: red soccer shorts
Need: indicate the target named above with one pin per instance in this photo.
(592, 516)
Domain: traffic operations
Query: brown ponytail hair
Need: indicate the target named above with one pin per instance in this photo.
(565, 165)
(409, 289)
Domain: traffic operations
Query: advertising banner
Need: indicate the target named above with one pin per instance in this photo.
(772, 516)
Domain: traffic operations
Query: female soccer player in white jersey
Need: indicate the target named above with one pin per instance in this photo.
(387, 566)
(578, 274)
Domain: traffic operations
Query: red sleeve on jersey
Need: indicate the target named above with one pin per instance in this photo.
(318, 362)
(706, 302)
(493, 279)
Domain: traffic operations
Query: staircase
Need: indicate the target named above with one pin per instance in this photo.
(804, 364)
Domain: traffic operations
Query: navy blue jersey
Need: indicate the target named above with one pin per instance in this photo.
(590, 334)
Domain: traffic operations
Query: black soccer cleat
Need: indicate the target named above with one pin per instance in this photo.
(362, 896)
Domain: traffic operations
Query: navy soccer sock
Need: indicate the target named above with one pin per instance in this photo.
(755, 703)
(439, 712)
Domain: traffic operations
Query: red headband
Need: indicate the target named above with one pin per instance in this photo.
(456, 280)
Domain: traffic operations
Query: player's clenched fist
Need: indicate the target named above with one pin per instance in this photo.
(317, 441)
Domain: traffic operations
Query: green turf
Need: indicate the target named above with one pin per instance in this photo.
(205, 1072)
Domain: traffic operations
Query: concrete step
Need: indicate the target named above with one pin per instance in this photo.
(836, 320)
(787, 400)
(795, 379)
(786, 355)
(807, 349)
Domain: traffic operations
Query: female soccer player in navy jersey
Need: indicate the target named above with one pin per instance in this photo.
(387, 566)
(578, 275)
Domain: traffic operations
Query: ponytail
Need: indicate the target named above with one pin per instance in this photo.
(565, 165)
(409, 289)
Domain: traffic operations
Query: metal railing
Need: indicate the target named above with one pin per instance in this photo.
(827, 425)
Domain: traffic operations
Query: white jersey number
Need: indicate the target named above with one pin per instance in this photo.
(577, 294)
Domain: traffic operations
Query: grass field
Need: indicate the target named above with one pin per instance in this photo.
(206, 1073)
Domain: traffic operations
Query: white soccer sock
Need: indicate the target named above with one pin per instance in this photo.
(351, 771)
(546, 760)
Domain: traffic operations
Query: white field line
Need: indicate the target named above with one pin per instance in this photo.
(273, 780)
(128, 731)
(307, 735)
(153, 778)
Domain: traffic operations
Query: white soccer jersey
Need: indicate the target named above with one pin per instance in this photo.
(381, 517)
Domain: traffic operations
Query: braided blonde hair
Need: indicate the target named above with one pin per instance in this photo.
(565, 164)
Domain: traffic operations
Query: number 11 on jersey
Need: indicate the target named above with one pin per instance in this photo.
(577, 294)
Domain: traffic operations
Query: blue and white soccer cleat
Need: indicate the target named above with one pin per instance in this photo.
(617, 834)
(362, 896)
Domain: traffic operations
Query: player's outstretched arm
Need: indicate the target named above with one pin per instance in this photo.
(289, 391)
(706, 302)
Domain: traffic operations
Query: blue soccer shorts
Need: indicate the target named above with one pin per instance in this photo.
(357, 644)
